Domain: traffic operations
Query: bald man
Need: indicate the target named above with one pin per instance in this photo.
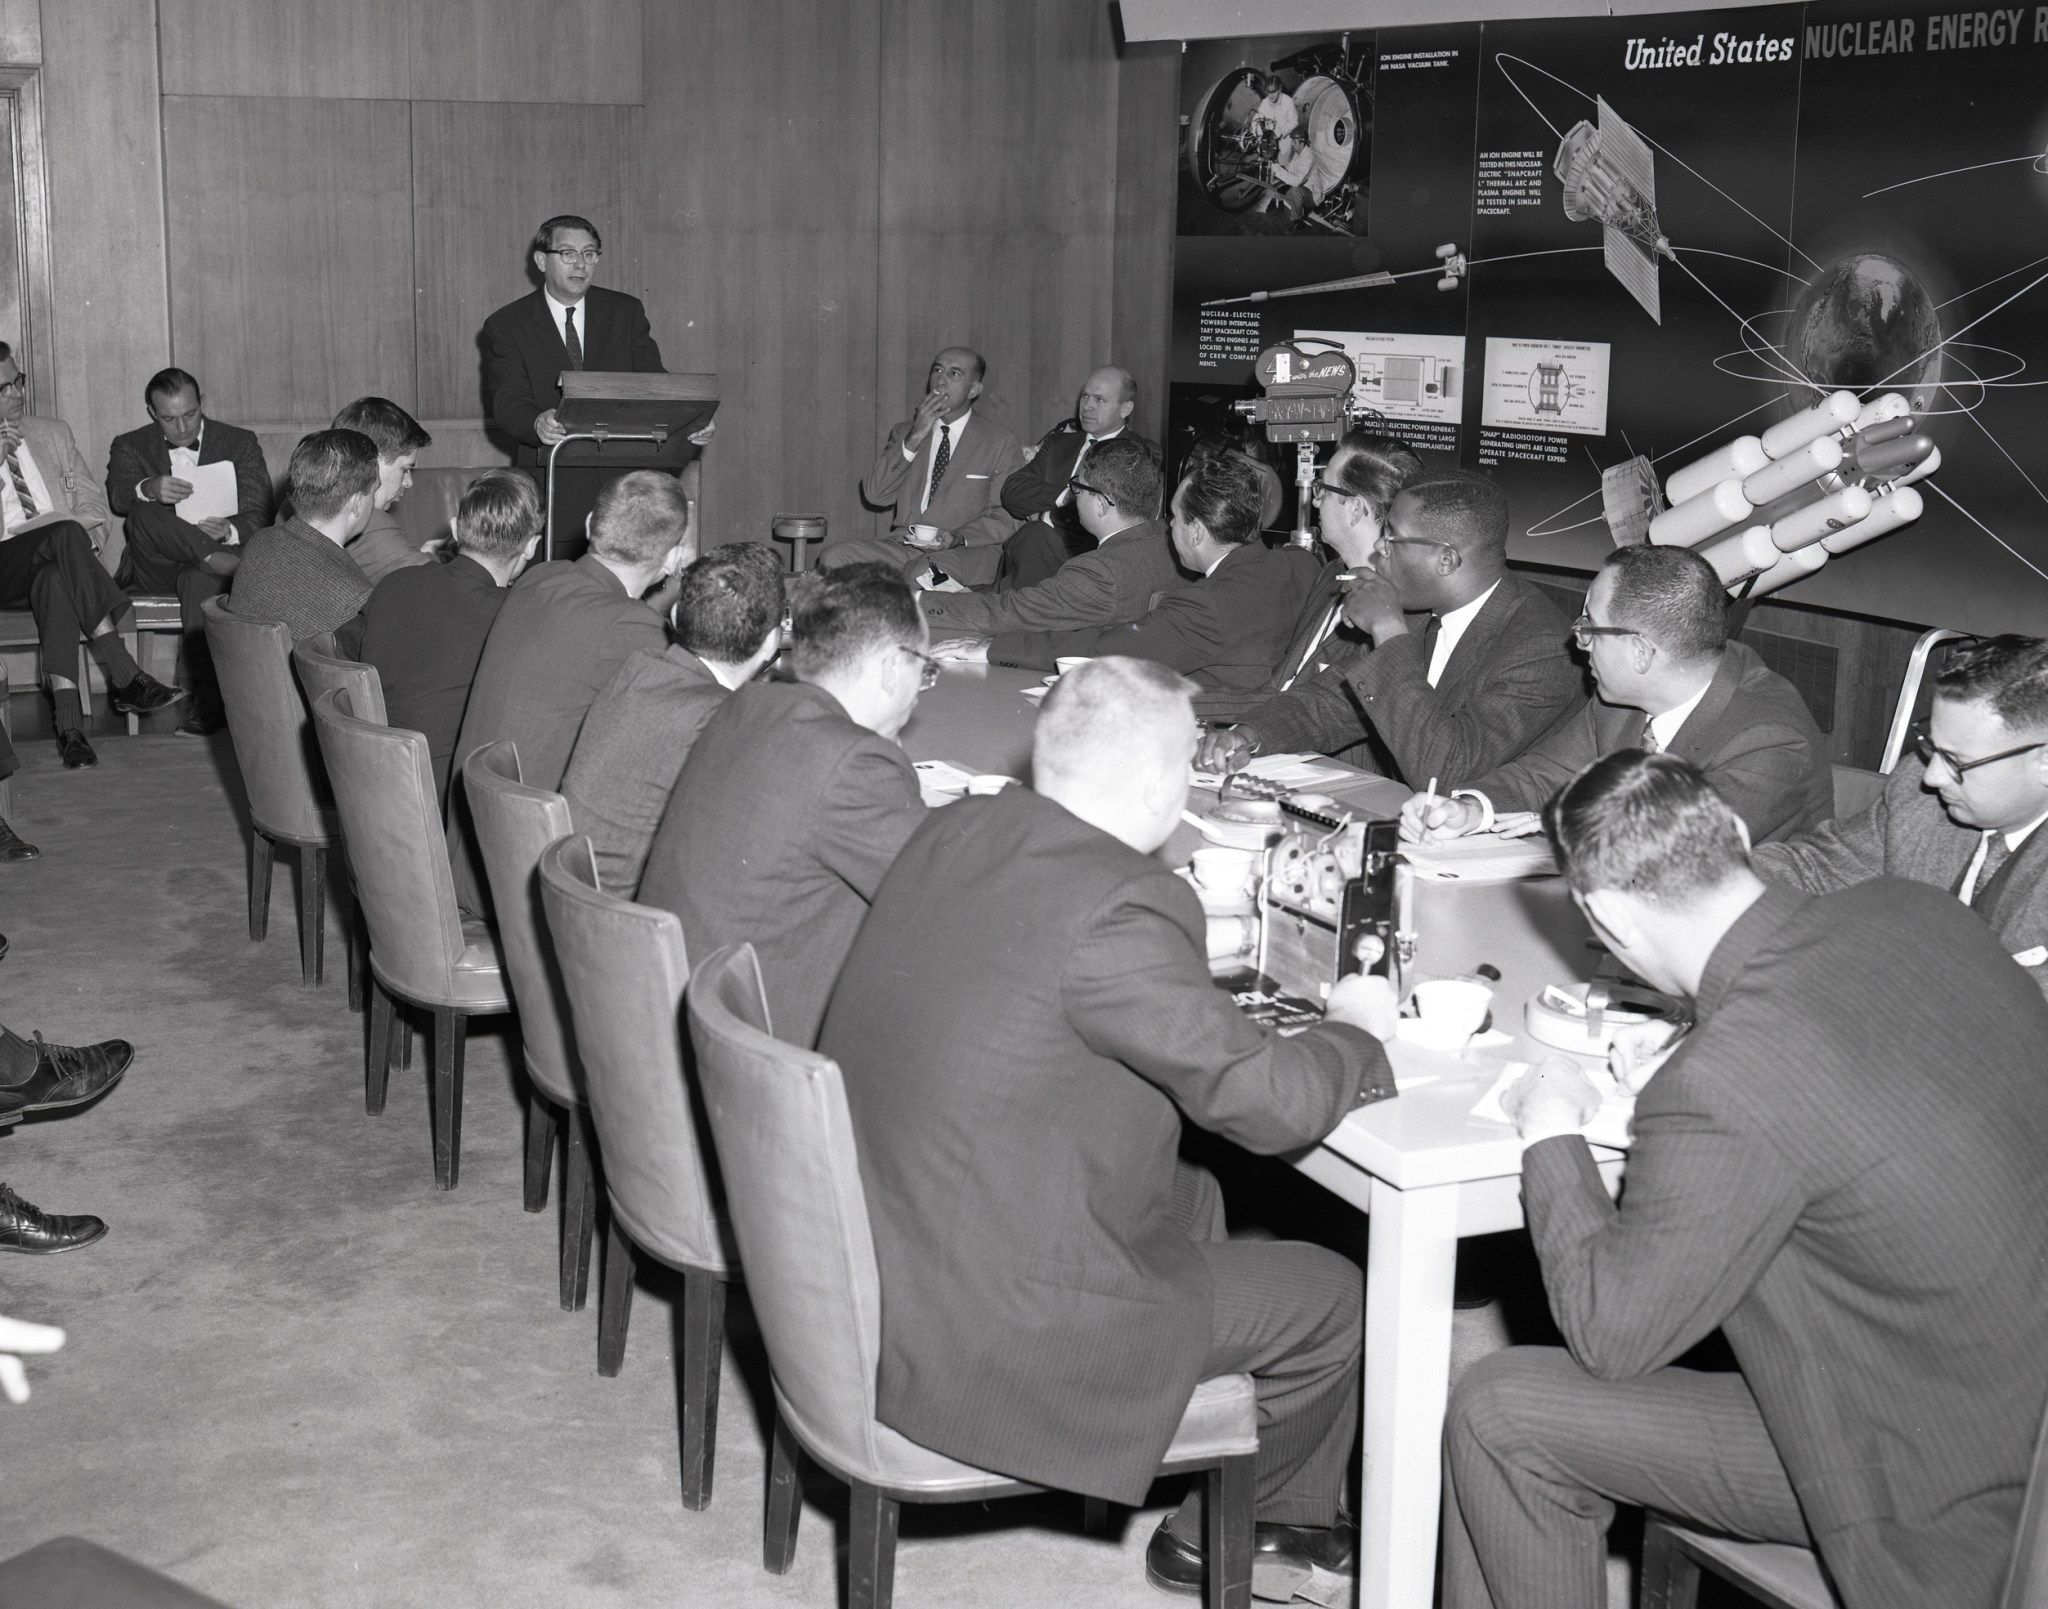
(1042, 493)
(940, 472)
(1052, 1287)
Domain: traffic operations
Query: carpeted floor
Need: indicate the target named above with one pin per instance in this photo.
(297, 1372)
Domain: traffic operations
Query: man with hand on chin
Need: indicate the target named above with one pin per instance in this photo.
(1838, 1167)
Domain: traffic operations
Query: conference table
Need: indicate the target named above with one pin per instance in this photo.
(1425, 1170)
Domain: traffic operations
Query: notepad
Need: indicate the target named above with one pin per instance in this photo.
(214, 494)
(1611, 1125)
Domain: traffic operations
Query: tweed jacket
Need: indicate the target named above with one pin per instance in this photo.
(75, 491)
(292, 573)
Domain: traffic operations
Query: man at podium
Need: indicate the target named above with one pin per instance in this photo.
(569, 323)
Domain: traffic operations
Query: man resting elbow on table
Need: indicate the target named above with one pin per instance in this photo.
(1117, 501)
(1487, 675)
(1839, 1168)
(1024, 1020)
(1668, 679)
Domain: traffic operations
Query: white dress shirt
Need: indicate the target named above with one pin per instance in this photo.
(11, 514)
(1451, 627)
(955, 429)
(1665, 727)
(559, 312)
(1067, 492)
(1967, 893)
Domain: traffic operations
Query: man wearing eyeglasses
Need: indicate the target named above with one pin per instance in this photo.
(1964, 814)
(797, 797)
(569, 323)
(1041, 494)
(1667, 678)
(56, 521)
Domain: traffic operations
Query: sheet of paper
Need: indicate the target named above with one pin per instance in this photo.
(1610, 1125)
(1285, 770)
(1481, 857)
(214, 496)
(940, 782)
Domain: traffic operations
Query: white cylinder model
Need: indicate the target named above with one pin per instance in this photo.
(1889, 406)
(1700, 517)
(1792, 471)
(1824, 418)
(1742, 457)
(1817, 520)
(1740, 554)
(1792, 567)
(1899, 506)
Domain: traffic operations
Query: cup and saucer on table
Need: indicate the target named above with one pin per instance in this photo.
(1450, 1013)
(1065, 663)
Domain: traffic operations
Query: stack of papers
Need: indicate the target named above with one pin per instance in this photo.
(214, 494)
(1481, 857)
(1611, 1125)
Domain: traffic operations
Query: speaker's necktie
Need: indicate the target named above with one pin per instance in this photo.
(22, 494)
(570, 339)
(940, 460)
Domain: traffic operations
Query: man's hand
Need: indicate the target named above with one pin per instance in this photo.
(1553, 1097)
(10, 435)
(930, 410)
(1031, 452)
(1364, 1000)
(220, 530)
(1637, 1051)
(18, 1339)
(1223, 752)
(1373, 606)
(1431, 818)
(938, 543)
(699, 437)
(548, 428)
(962, 650)
(167, 489)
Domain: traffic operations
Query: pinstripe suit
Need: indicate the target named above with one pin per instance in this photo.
(1841, 1169)
(1024, 1019)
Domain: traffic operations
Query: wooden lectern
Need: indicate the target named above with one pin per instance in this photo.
(628, 421)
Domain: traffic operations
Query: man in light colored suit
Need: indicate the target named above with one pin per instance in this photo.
(1667, 678)
(1965, 813)
(1839, 1168)
(1025, 1021)
(728, 625)
(796, 796)
(943, 470)
(56, 520)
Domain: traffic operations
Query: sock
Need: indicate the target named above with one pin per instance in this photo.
(114, 659)
(17, 1057)
(68, 713)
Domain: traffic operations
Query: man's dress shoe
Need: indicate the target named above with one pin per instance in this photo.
(205, 720)
(76, 752)
(14, 848)
(1284, 1559)
(29, 1229)
(66, 1075)
(144, 695)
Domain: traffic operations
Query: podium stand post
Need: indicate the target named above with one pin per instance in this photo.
(600, 437)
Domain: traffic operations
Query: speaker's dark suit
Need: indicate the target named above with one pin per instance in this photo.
(781, 825)
(523, 362)
(1751, 734)
(1024, 1020)
(1507, 681)
(1841, 1170)
(1906, 833)
(1051, 531)
(1226, 629)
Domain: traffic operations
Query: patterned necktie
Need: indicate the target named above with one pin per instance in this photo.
(1650, 745)
(569, 339)
(21, 492)
(940, 460)
(1997, 851)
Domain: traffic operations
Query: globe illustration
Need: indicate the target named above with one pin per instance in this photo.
(1866, 323)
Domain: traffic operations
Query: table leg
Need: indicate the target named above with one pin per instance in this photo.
(1410, 1271)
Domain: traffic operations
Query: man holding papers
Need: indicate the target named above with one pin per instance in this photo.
(190, 490)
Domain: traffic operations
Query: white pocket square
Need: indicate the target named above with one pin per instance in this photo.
(2033, 957)
(974, 477)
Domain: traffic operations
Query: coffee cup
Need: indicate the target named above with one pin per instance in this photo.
(924, 536)
(1452, 1007)
(1219, 869)
(1070, 661)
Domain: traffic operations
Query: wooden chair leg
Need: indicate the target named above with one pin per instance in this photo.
(540, 1149)
(358, 939)
(871, 1559)
(450, 1033)
(698, 1360)
(785, 1500)
(377, 1058)
(579, 1210)
(1095, 1516)
(1227, 1534)
(614, 1299)
(261, 853)
(1671, 1577)
(312, 914)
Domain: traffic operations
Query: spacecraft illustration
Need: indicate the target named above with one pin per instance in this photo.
(1608, 174)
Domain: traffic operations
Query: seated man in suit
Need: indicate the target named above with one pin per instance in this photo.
(728, 624)
(1042, 494)
(1963, 814)
(1667, 678)
(53, 523)
(425, 625)
(563, 632)
(383, 545)
(1226, 629)
(1839, 1168)
(165, 553)
(943, 469)
(1046, 1307)
(1489, 674)
(796, 797)
(296, 572)
(1130, 565)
